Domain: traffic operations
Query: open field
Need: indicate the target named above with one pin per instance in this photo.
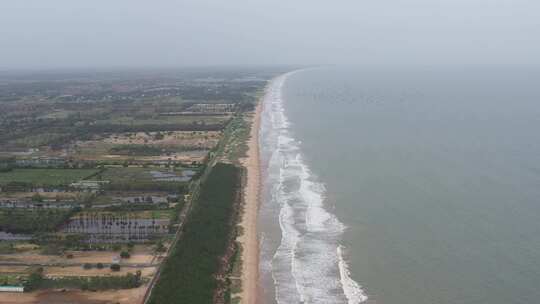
(167, 120)
(45, 177)
(68, 271)
(45, 195)
(99, 150)
(183, 146)
(142, 254)
(186, 139)
(11, 274)
(13, 270)
(58, 296)
(141, 174)
(16, 247)
(146, 179)
(38, 140)
(135, 200)
(195, 156)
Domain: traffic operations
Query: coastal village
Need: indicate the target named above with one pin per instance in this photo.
(98, 179)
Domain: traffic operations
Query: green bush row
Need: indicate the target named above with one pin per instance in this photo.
(188, 275)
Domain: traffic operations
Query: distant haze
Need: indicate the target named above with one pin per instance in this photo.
(133, 33)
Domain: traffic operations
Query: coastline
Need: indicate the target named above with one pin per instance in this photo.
(302, 256)
(249, 239)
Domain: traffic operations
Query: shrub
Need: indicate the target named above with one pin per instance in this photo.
(35, 279)
(160, 247)
(94, 283)
(33, 220)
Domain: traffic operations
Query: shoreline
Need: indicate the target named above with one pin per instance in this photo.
(250, 239)
(295, 280)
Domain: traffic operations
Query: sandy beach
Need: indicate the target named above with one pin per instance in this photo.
(249, 239)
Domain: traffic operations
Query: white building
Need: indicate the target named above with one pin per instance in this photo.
(11, 289)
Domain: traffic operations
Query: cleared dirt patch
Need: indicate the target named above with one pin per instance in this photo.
(12, 269)
(200, 139)
(140, 255)
(80, 271)
(125, 296)
(107, 257)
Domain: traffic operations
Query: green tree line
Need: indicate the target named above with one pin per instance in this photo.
(188, 275)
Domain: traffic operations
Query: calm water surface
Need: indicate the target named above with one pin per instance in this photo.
(435, 173)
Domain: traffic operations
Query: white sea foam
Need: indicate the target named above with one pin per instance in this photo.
(353, 291)
(308, 265)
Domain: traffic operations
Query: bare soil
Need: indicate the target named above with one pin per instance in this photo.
(124, 296)
(54, 272)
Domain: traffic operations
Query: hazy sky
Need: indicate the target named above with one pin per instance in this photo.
(103, 33)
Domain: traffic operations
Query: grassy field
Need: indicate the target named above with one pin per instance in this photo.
(45, 177)
(139, 174)
(164, 120)
(157, 214)
(33, 141)
(94, 149)
(12, 278)
(127, 174)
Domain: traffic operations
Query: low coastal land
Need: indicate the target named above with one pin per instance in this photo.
(79, 182)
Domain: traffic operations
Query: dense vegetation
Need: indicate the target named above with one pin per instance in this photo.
(36, 280)
(189, 273)
(139, 150)
(45, 177)
(17, 220)
(173, 187)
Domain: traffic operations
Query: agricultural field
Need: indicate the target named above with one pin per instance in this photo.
(176, 146)
(45, 177)
(142, 174)
(97, 175)
(167, 120)
(188, 140)
(48, 196)
(16, 278)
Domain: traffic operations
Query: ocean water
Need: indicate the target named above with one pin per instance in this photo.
(401, 185)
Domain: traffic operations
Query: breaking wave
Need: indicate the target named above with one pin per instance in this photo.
(308, 265)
